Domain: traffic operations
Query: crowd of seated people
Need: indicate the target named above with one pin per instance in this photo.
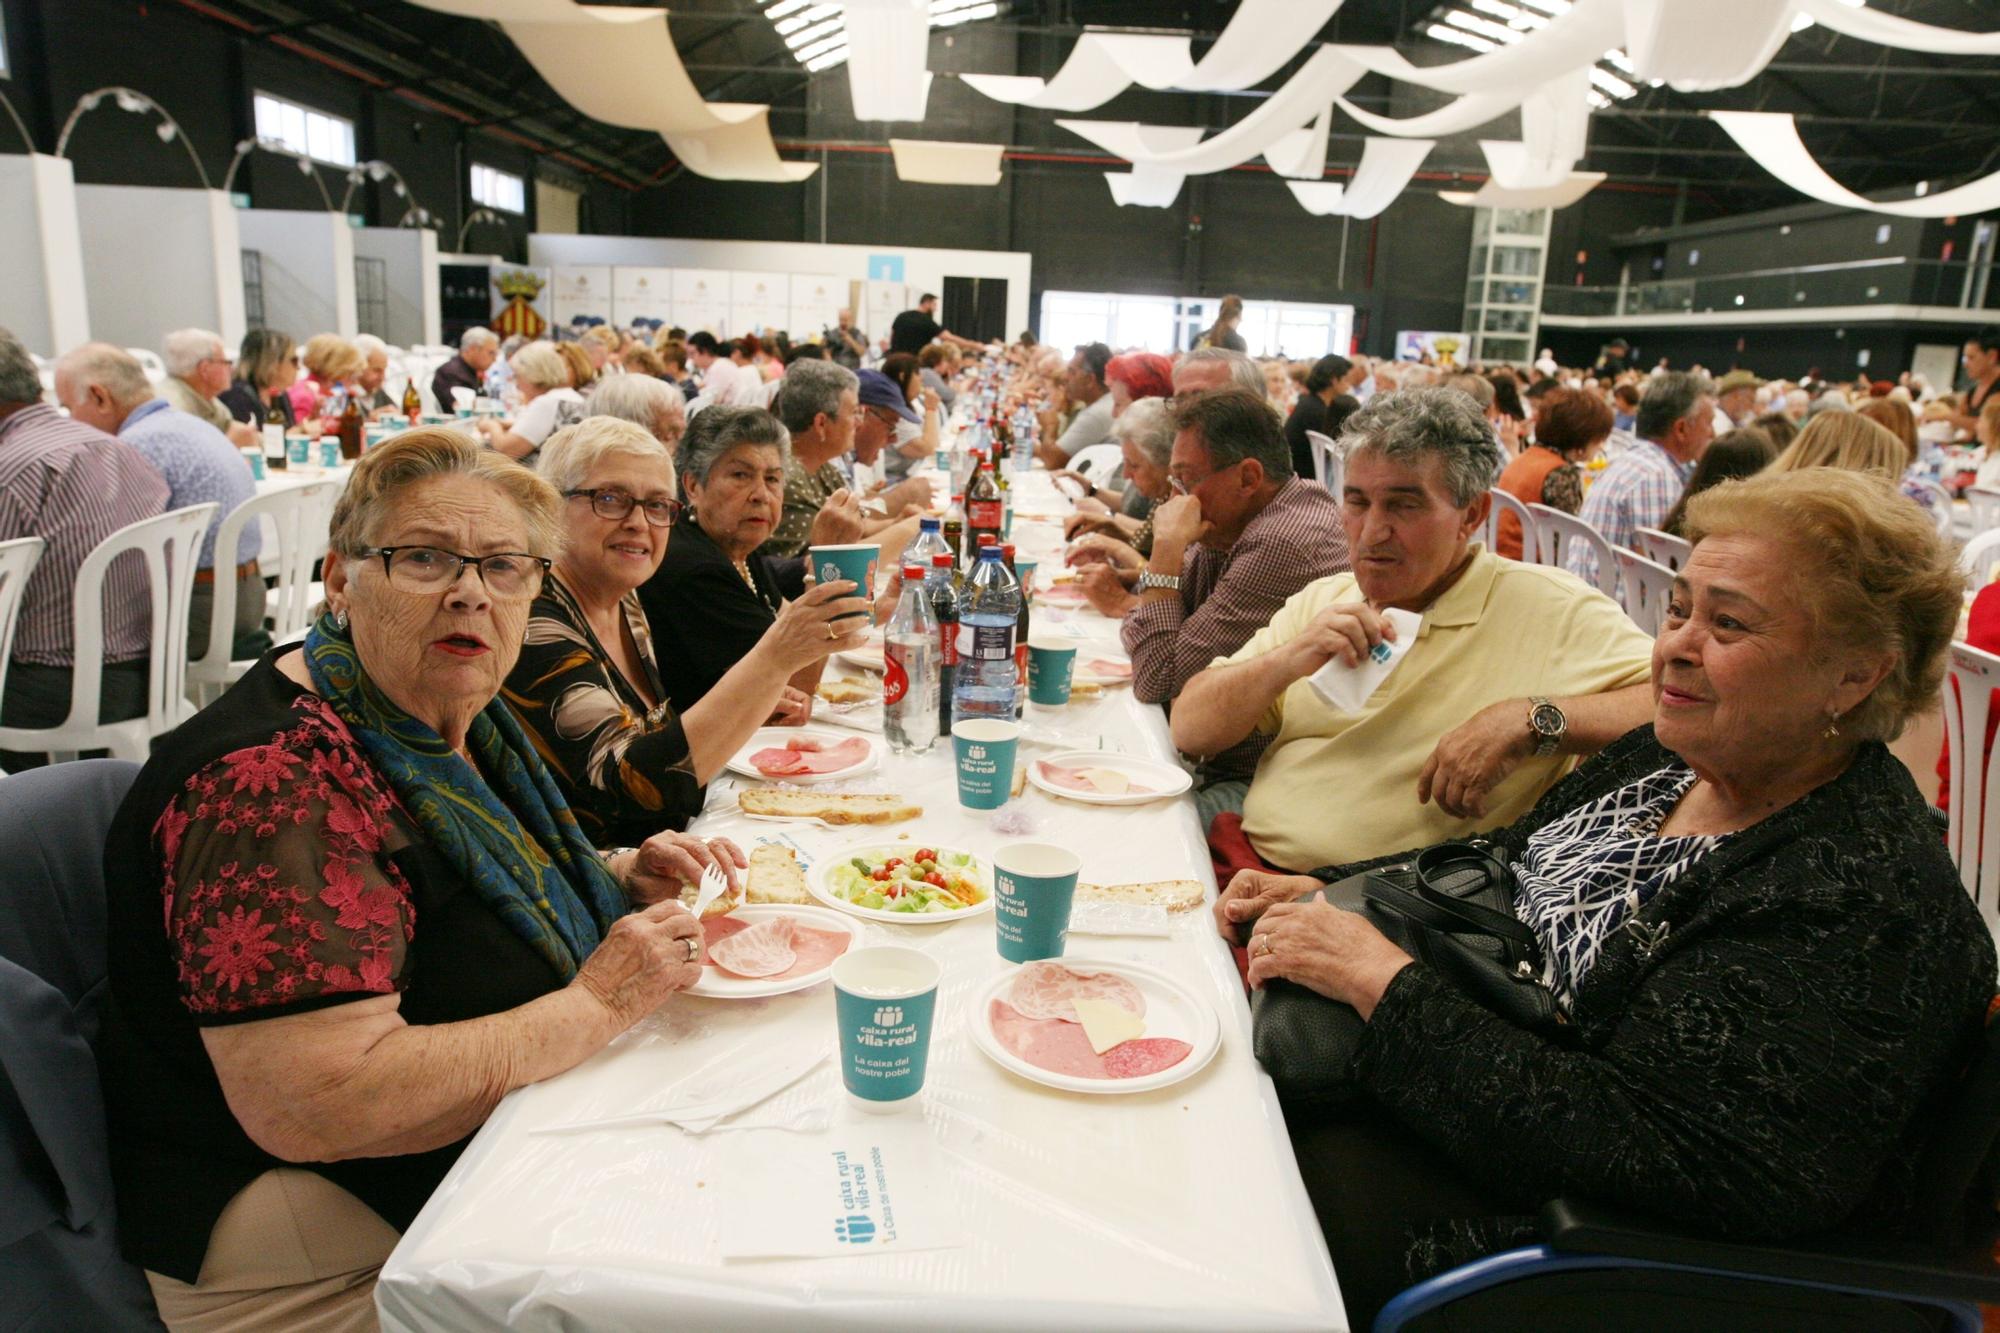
(541, 641)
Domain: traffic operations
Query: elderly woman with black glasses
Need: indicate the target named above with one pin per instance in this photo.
(348, 912)
(587, 687)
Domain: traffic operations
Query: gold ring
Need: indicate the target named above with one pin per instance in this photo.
(694, 948)
(1263, 945)
(830, 631)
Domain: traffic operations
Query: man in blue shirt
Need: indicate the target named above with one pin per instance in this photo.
(105, 387)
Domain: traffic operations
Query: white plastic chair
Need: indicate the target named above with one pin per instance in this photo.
(17, 561)
(301, 516)
(1327, 462)
(1646, 585)
(149, 361)
(1097, 460)
(1503, 502)
(1977, 559)
(1974, 837)
(1662, 548)
(169, 544)
(1554, 533)
(1985, 508)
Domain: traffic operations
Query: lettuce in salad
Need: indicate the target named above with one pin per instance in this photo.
(915, 880)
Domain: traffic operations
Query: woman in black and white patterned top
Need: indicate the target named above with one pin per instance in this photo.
(1769, 968)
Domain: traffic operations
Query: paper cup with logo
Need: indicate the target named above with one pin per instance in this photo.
(329, 451)
(985, 752)
(1024, 570)
(885, 1000)
(1051, 664)
(856, 563)
(298, 449)
(254, 459)
(462, 401)
(1033, 883)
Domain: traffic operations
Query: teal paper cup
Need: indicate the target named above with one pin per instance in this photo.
(855, 563)
(1024, 570)
(985, 749)
(885, 1000)
(1050, 667)
(298, 449)
(1033, 884)
(255, 458)
(329, 451)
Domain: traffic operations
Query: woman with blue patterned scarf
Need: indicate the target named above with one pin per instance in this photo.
(350, 911)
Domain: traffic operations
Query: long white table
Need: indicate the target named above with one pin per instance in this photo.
(1175, 1209)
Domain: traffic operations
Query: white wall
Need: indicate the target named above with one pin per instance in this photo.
(160, 259)
(42, 297)
(923, 269)
(411, 259)
(308, 264)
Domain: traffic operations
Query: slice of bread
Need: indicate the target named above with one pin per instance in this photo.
(1176, 895)
(1085, 689)
(775, 877)
(848, 691)
(722, 906)
(833, 808)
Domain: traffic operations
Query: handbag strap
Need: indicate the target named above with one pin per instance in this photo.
(1453, 915)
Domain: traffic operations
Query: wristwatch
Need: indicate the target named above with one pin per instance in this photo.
(1549, 725)
(1151, 580)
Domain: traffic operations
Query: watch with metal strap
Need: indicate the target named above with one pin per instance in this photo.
(1548, 724)
(1149, 579)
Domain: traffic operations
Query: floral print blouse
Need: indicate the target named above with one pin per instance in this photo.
(623, 764)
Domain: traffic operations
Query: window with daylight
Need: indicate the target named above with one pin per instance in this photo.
(498, 189)
(1294, 330)
(323, 137)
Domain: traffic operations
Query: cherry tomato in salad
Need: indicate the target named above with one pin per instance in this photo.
(881, 876)
(934, 879)
(892, 863)
(926, 854)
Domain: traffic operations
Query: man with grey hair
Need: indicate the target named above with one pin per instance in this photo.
(820, 405)
(644, 401)
(1207, 369)
(1502, 672)
(103, 386)
(1675, 423)
(198, 369)
(478, 348)
(1240, 536)
(374, 369)
(72, 486)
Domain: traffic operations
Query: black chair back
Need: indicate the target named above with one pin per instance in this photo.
(1960, 1169)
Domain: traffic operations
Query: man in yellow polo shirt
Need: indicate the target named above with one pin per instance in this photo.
(1516, 669)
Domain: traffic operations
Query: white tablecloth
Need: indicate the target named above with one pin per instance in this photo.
(1175, 1209)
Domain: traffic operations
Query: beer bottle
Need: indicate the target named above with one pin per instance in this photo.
(413, 402)
(274, 436)
(349, 429)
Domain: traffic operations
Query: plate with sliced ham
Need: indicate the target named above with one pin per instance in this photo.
(770, 949)
(1102, 669)
(805, 754)
(1094, 1026)
(1097, 778)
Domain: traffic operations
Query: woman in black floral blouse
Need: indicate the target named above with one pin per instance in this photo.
(1769, 967)
(587, 686)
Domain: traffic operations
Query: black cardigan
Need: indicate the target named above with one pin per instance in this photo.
(704, 616)
(1755, 1052)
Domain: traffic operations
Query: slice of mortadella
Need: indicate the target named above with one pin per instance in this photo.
(1045, 989)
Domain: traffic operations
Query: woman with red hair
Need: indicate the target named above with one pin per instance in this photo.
(1137, 375)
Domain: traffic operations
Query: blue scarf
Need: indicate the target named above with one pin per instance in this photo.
(519, 846)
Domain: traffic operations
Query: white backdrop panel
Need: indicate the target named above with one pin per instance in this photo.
(701, 300)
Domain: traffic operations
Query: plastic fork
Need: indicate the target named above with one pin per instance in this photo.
(713, 886)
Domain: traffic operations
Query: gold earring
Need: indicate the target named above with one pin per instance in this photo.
(1832, 731)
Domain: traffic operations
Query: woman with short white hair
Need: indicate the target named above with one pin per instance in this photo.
(543, 377)
(587, 686)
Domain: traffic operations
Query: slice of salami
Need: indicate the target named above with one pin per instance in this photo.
(1045, 990)
(762, 950)
(775, 762)
(1142, 1056)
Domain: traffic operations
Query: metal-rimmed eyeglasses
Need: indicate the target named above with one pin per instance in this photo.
(507, 574)
(616, 504)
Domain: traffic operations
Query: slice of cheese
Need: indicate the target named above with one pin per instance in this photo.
(1107, 1024)
(1107, 780)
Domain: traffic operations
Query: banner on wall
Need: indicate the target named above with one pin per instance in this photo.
(759, 302)
(1433, 349)
(581, 295)
(701, 300)
(885, 301)
(816, 303)
(518, 299)
(641, 294)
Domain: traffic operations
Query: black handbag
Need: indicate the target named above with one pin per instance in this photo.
(1451, 909)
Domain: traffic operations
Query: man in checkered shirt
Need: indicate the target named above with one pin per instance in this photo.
(1675, 423)
(1241, 534)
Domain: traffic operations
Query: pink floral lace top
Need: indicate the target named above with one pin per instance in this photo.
(279, 891)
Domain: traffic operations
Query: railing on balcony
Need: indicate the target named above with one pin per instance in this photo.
(1889, 281)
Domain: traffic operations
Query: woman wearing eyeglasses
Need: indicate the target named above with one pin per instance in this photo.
(588, 686)
(348, 911)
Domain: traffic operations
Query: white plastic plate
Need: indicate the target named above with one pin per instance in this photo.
(1163, 780)
(765, 738)
(717, 984)
(816, 882)
(1172, 1010)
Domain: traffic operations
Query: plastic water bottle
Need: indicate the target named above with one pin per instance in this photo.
(910, 669)
(988, 617)
(1024, 444)
(928, 542)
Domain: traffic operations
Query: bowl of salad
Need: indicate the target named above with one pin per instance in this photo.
(904, 883)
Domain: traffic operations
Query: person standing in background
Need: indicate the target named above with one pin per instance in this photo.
(845, 343)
